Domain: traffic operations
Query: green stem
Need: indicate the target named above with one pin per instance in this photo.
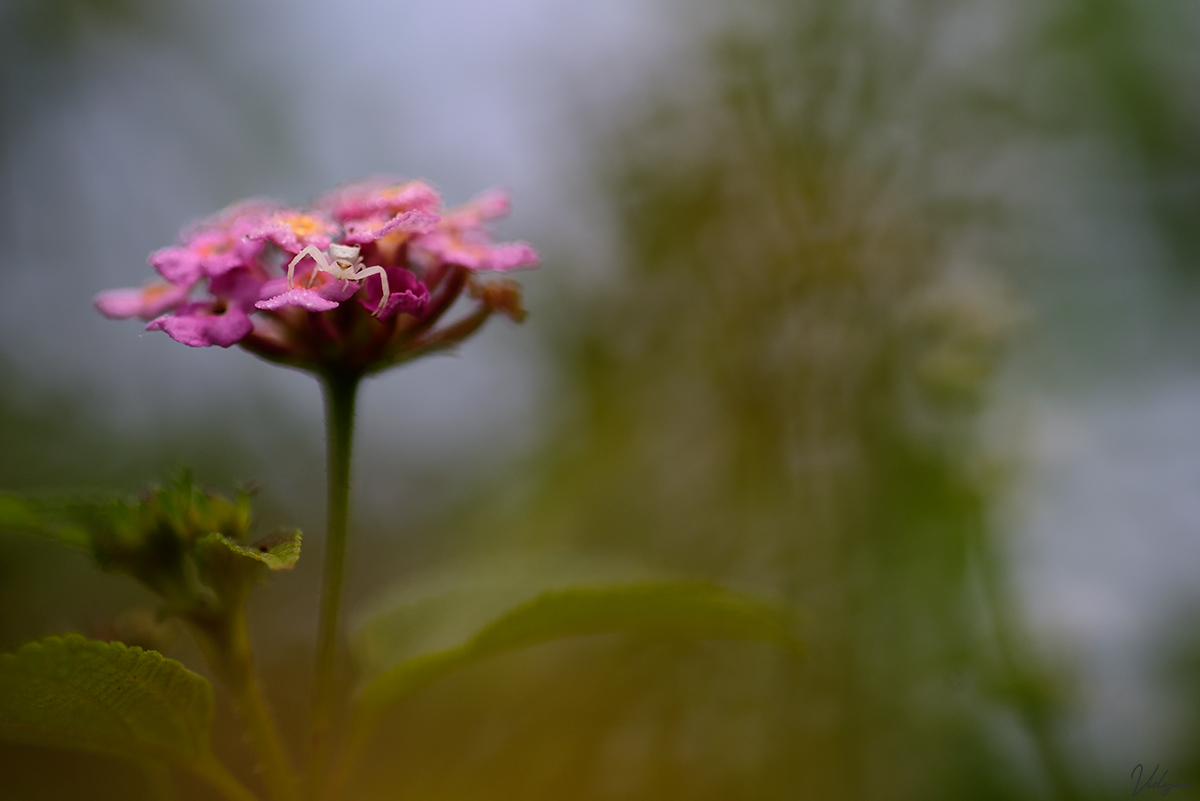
(1034, 708)
(340, 391)
(346, 760)
(216, 774)
(159, 782)
(277, 772)
(226, 643)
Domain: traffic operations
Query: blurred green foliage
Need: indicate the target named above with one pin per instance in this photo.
(57, 27)
(1135, 65)
(778, 391)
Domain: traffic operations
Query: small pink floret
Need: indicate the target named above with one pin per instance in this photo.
(380, 196)
(237, 219)
(238, 287)
(408, 295)
(362, 232)
(215, 245)
(326, 295)
(199, 325)
(307, 299)
(509, 256)
(178, 265)
(490, 205)
(295, 230)
(147, 303)
(461, 238)
(472, 250)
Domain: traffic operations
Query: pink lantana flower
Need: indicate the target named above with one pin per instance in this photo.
(147, 303)
(461, 238)
(295, 230)
(277, 281)
(222, 320)
(203, 324)
(361, 232)
(215, 245)
(379, 206)
(380, 196)
(323, 293)
(408, 295)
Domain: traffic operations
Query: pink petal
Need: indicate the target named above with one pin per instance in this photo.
(228, 328)
(188, 330)
(406, 302)
(178, 265)
(147, 302)
(360, 232)
(489, 205)
(380, 196)
(304, 298)
(448, 249)
(238, 287)
(406, 294)
(509, 256)
(269, 289)
(119, 304)
(236, 219)
(202, 329)
(295, 230)
(337, 290)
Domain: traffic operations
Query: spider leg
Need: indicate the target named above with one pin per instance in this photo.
(368, 271)
(312, 252)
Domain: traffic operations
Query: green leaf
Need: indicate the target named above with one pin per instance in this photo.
(669, 610)
(15, 514)
(108, 698)
(44, 518)
(444, 608)
(277, 551)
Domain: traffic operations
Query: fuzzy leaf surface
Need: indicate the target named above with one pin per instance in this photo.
(69, 692)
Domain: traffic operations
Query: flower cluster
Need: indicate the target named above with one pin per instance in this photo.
(358, 282)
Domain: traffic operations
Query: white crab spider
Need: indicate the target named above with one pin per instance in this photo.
(343, 262)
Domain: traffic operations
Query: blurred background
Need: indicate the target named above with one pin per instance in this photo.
(882, 309)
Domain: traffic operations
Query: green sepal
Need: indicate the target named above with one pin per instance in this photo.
(277, 551)
(184, 543)
(109, 698)
(663, 610)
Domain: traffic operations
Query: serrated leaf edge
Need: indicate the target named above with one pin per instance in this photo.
(75, 642)
(263, 557)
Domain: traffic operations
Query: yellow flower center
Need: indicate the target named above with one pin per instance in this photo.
(303, 225)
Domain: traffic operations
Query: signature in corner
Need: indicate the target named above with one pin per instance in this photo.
(1157, 784)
